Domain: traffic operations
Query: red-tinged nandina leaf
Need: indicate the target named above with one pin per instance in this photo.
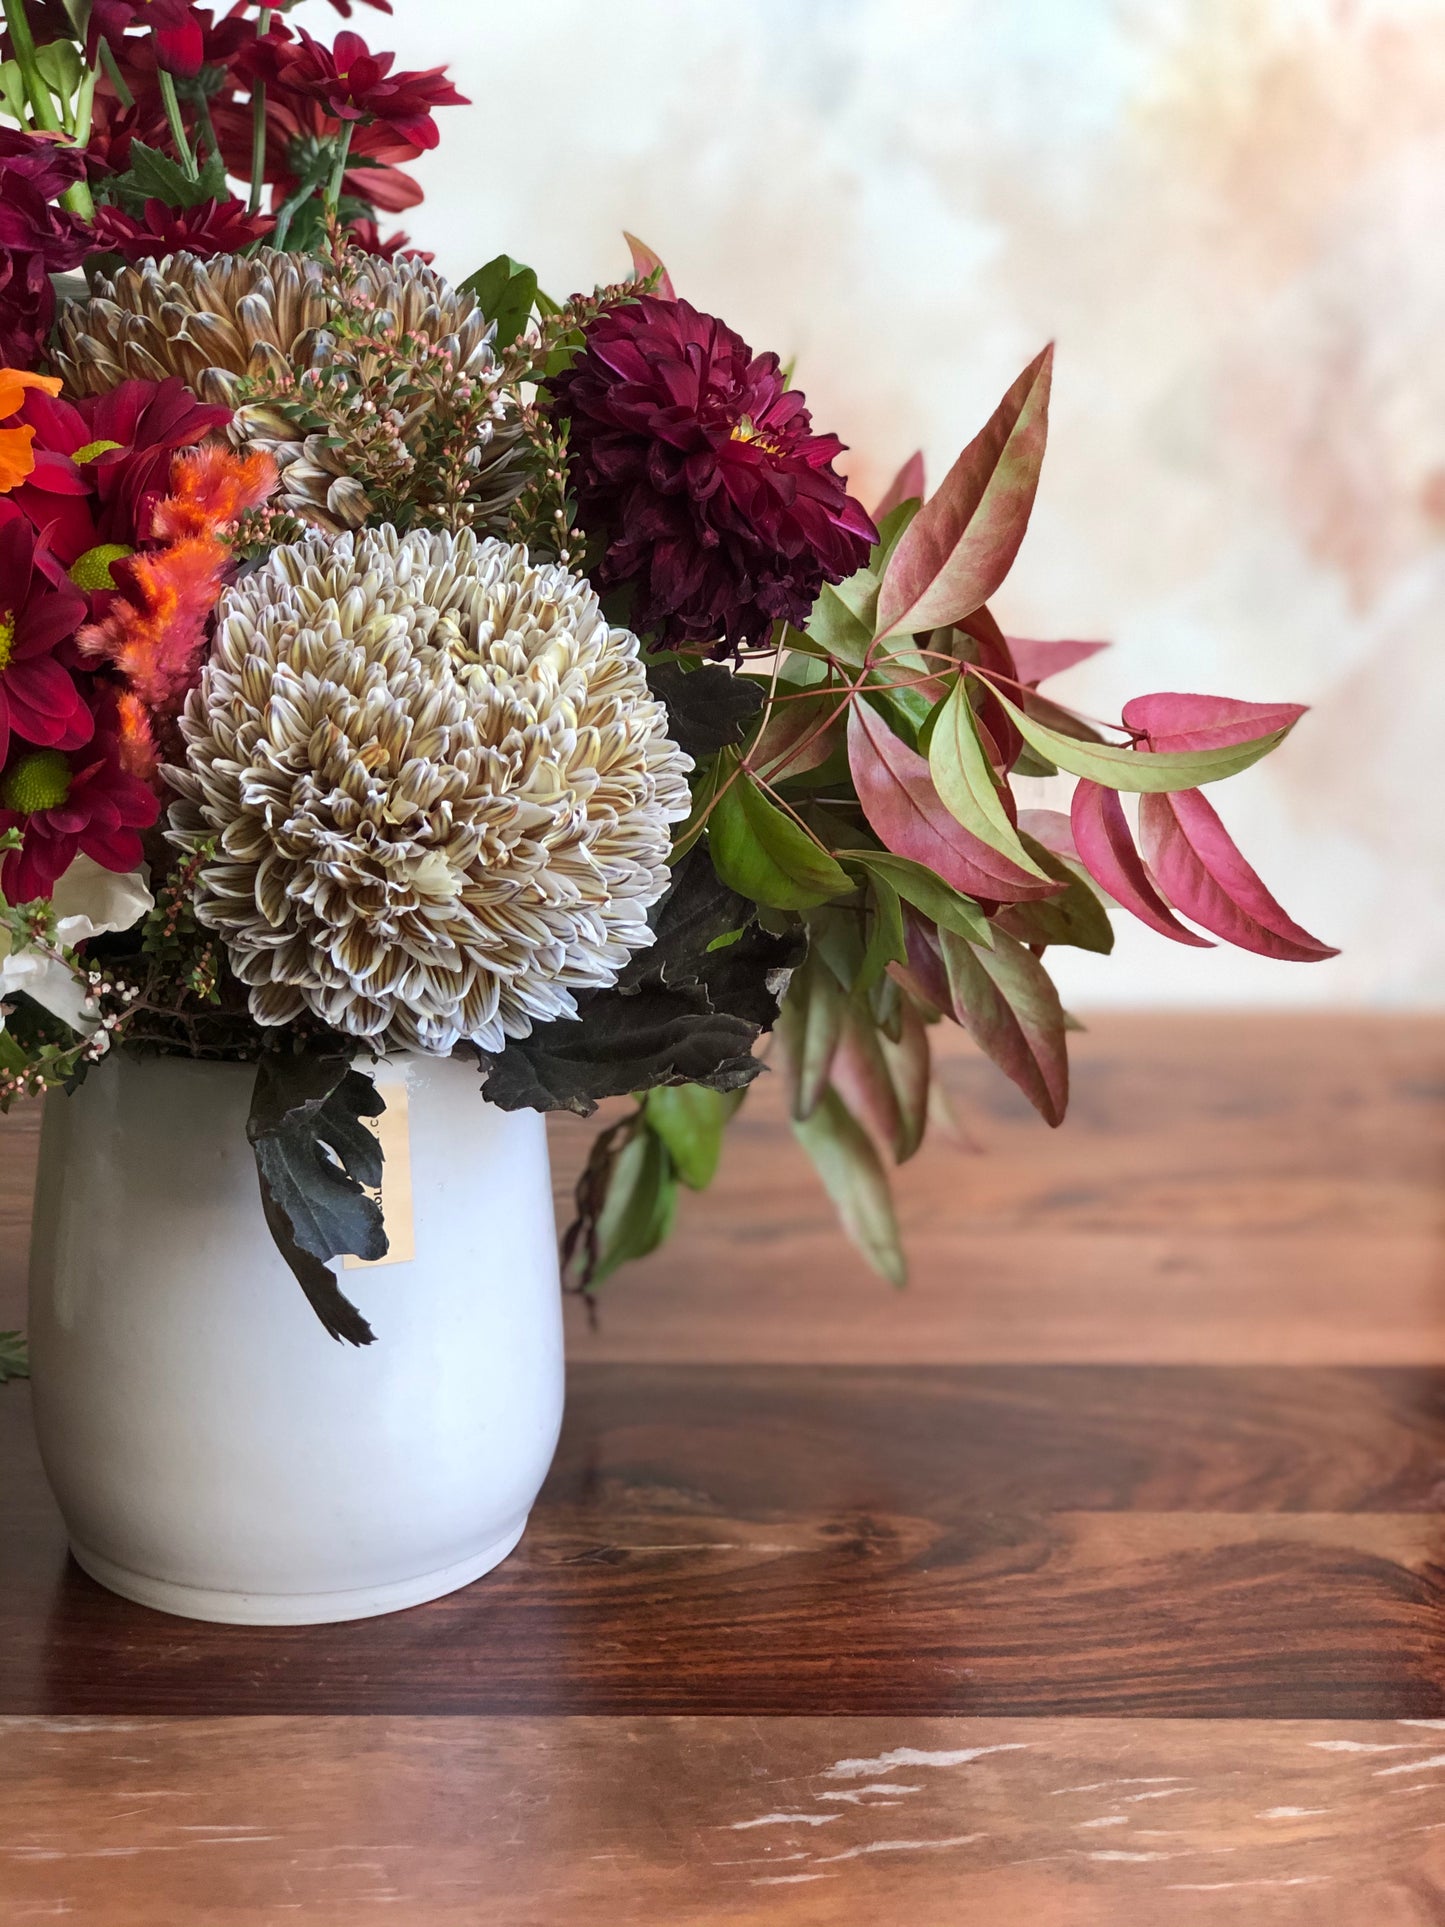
(962, 542)
(645, 263)
(845, 1159)
(1051, 828)
(1106, 850)
(1197, 866)
(906, 486)
(801, 732)
(907, 815)
(923, 975)
(910, 1067)
(861, 1079)
(1172, 721)
(1006, 1001)
(987, 645)
(1037, 661)
(1121, 767)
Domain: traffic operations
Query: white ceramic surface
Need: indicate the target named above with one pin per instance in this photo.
(213, 1451)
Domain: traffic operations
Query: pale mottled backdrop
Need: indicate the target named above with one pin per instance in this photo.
(1230, 214)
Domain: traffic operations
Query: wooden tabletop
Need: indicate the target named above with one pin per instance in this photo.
(1098, 1578)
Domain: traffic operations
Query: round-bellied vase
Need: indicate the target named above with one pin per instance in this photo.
(213, 1451)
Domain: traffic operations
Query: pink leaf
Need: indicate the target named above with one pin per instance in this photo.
(860, 1077)
(1172, 721)
(1106, 850)
(1197, 866)
(923, 974)
(645, 263)
(906, 486)
(962, 542)
(909, 817)
(1038, 660)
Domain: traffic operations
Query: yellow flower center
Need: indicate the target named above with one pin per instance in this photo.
(7, 636)
(91, 449)
(746, 430)
(91, 571)
(39, 781)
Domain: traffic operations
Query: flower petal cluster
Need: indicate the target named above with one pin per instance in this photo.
(65, 802)
(210, 228)
(355, 84)
(439, 783)
(37, 238)
(699, 469)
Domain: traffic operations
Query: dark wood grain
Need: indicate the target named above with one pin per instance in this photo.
(780, 1540)
(675, 1823)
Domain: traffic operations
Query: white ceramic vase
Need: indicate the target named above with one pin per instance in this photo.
(213, 1451)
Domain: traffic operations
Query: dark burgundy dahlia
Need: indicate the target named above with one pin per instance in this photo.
(701, 472)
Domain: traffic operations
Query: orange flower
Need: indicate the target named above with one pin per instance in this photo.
(211, 488)
(17, 459)
(155, 631)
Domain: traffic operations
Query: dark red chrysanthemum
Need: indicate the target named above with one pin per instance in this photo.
(700, 470)
(214, 227)
(64, 802)
(39, 610)
(34, 172)
(179, 41)
(353, 83)
(366, 235)
(27, 308)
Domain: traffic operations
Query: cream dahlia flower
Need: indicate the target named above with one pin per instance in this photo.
(438, 787)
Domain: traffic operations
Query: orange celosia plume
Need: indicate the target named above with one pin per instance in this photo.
(155, 630)
(17, 457)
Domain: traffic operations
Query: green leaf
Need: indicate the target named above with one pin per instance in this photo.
(13, 1361)
(852, 1172)
(12, 92)
(153, 175)
(317, 1162)
(61, 68)
(835, 627)
(964, 778)
(640, 1205)
(887, 940)
(1076, 917)
(1128, 769)
(925, 891)
(812, 1024)
(765, 856)
(506, 292)
(691, 1119)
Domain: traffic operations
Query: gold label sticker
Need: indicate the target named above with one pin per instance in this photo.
(393, 1128)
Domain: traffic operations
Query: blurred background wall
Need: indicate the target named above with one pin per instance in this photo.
(1230, 214)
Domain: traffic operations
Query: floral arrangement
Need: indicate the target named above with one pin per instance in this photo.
(388, 665)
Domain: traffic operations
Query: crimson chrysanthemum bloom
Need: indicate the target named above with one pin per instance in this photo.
(700, 470)
(213, 227)
(179, 41)
(64, 803)
(353, 83)
(39, 610)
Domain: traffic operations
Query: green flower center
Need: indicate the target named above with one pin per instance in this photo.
(91, 571)
(91, 449)
(7, 636)
(39, 781)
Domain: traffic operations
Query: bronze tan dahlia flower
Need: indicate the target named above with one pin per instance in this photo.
(267, 316)
(438, 787)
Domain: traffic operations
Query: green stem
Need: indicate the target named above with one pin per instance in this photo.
(258, 123)
(343, 150)
(289, 209)
(207, 125)
(116, 78)
(42, 106)
(175, 123)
